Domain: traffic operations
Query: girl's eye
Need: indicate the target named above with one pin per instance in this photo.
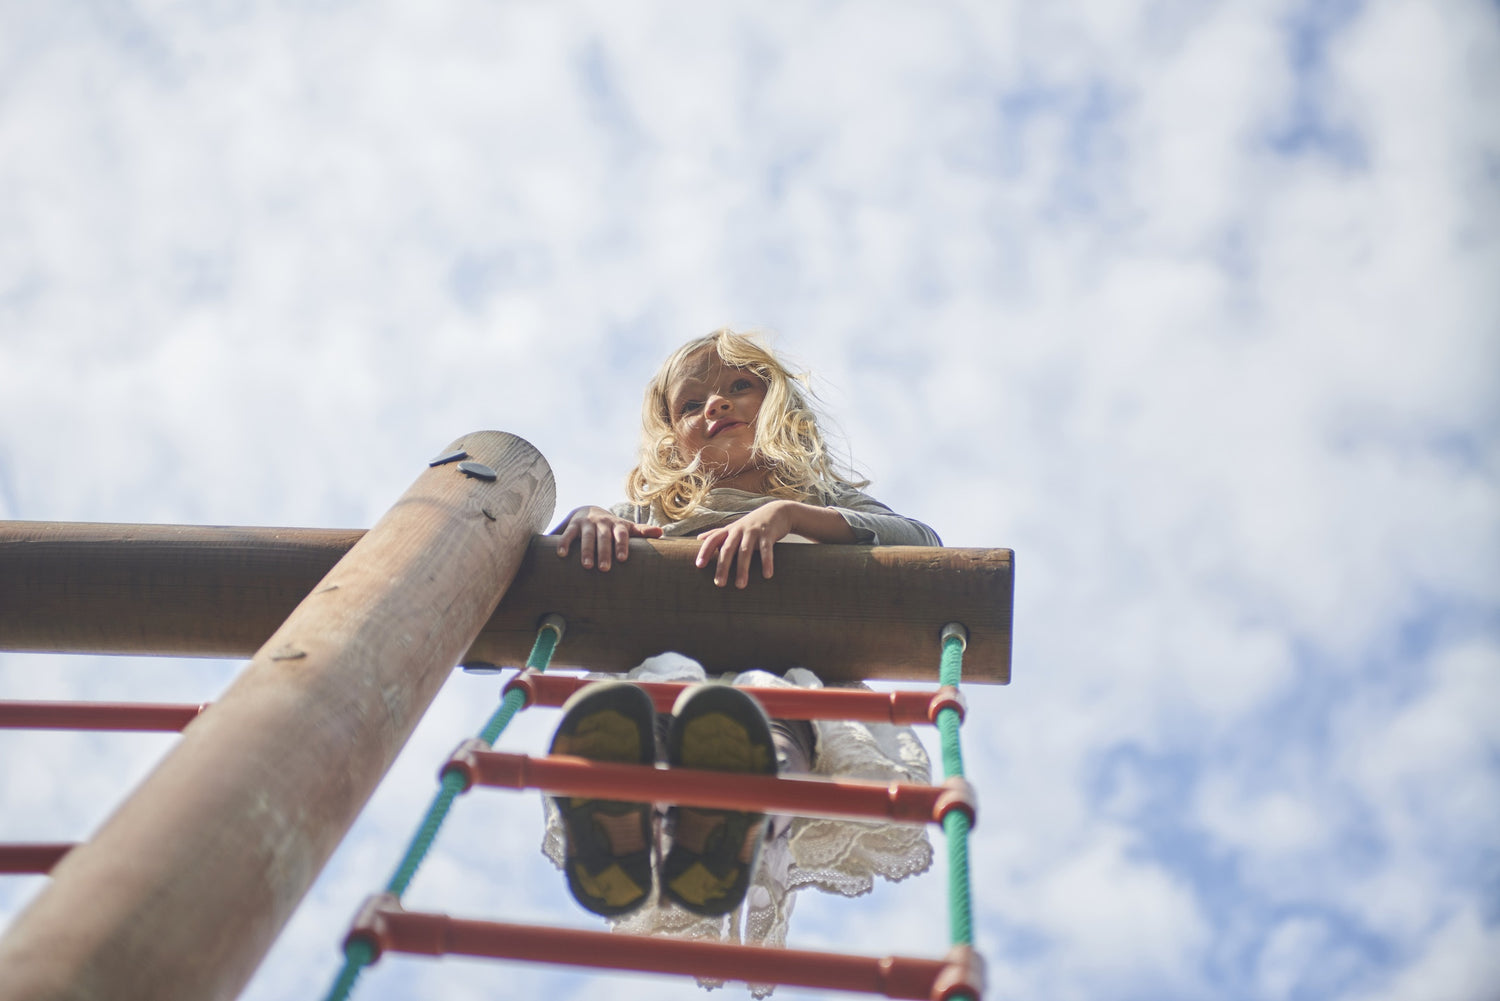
(740, 385)
(689, 407)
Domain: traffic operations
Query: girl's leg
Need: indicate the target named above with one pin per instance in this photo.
(609, 843)
(794, 744)
(714, 852)
(794, 753)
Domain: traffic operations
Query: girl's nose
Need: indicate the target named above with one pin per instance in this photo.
(717, 403)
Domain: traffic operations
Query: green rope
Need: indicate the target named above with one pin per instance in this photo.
(416, 852)
(955, 824)
(960, 917)
(358, 954)
(953, 755)
(509, 706)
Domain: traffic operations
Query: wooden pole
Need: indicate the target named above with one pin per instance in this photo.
(199, 591)
(182, 891)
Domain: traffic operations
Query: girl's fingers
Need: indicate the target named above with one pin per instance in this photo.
(711, 542)
(726, 560)
(565, 524)
(605, 541)
(746, 550)
(587, 539)
(767, 556)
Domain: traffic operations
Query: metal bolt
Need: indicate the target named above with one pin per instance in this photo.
(452, 456)
(478, 470)
(480, 667)
(555, 622)
(954, 629)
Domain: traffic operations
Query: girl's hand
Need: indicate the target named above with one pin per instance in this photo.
(602, 536)
(760, 530)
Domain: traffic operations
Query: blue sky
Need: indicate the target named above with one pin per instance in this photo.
(1190, 303)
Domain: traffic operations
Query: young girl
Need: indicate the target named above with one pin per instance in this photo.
(731, 454)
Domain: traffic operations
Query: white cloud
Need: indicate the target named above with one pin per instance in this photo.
(1119, 920)
(1456, 963)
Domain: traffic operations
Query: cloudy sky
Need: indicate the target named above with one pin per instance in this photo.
(1190, 302)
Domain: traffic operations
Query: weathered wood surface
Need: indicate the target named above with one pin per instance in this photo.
(846, 611)
(182, 891)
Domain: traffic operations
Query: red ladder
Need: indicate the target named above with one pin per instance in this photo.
(382, 925)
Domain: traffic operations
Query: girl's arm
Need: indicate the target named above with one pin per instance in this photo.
(758, 532)
(877, 525)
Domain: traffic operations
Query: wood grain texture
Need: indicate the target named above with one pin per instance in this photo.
(846, 611)
(184, 888)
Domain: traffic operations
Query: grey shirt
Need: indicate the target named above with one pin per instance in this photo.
(873, 523)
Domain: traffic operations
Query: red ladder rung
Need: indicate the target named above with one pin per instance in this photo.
(907, 707)
(135, 716)
(31, 859)
(566, 775)
(387, 928)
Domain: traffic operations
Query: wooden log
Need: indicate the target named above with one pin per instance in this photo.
(846, 611)
(184, 888)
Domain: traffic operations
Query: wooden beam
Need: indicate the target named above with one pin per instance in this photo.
(184, 888)
(846, 611)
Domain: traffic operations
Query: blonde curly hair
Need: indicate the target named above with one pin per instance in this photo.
(788, 443)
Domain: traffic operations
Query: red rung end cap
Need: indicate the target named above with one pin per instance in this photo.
(963, 975)
(462, 760)
(370, 925)
(948, 697)
(909, 707)
(525, 682)
(903, 977)
(959, 795)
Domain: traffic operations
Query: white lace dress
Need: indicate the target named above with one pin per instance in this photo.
(836, 856)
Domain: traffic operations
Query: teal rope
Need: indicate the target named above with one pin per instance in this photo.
(358, 954)
(960, 915)
(955, 824)
(421, 842)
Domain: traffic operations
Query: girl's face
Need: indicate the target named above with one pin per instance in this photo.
(713, 409)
